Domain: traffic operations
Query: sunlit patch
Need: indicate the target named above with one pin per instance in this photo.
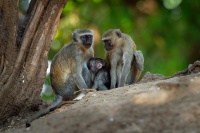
(171, 4)
(73, 19)
(47, 93)
(80, 96)
(156, 97)
(57, 34)
(146, 6)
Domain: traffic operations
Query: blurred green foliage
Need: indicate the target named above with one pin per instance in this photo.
(167, 31)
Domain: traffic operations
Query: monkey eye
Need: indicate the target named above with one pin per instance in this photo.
(82, 37)
(89, 36)
(107, 41)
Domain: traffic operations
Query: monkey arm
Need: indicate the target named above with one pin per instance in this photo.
(82, 86)
(125, 71)
(119, 72)
(127, 59)
(77, 76)
(113, 73)
(99, 84)
(102, 87)
(95, 86)
(79, 81)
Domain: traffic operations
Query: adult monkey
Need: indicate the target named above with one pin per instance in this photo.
(69, 72)
(124, 61)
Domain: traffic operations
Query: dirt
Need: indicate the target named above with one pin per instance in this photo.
(157, 105)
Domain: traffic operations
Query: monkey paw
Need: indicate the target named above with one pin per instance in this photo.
(79, 97)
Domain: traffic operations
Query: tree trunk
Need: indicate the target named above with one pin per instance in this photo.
(24, 53)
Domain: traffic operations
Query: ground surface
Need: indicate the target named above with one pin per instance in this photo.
(158, 106)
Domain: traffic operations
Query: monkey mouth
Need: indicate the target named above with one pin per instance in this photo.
(108, 47)
(88, 44)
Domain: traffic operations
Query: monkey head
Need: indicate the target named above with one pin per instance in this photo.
(110, 38)
(95, 64)
(83, 36)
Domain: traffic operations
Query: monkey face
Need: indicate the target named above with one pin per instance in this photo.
(108, 45)
(95, 64)
(110, 38)
(87, 40)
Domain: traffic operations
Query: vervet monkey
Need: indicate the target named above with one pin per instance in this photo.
(69, 72)
(100, 73)
(122, 57)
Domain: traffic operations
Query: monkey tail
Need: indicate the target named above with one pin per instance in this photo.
(56, 103)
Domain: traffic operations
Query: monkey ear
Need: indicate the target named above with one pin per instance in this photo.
(118, 32)
(74, 37)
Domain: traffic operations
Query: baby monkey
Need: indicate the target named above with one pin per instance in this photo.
(99, 73)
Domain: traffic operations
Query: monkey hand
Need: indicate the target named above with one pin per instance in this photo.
(79, 96)
(83, 93)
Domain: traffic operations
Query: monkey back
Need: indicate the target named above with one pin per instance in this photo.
(64, 65)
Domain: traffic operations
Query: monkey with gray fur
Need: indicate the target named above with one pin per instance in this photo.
(124, 61)
(100, 74)
(69, 72)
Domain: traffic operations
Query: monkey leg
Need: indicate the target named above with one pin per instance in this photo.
(124, 74)
(138, 60)
(119, 71)
(138, 64)
(136, 75)
(101, 86)
(95, 86)
(113, 74)
(56, 103)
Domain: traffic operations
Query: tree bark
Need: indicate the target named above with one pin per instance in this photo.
(24, 53)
